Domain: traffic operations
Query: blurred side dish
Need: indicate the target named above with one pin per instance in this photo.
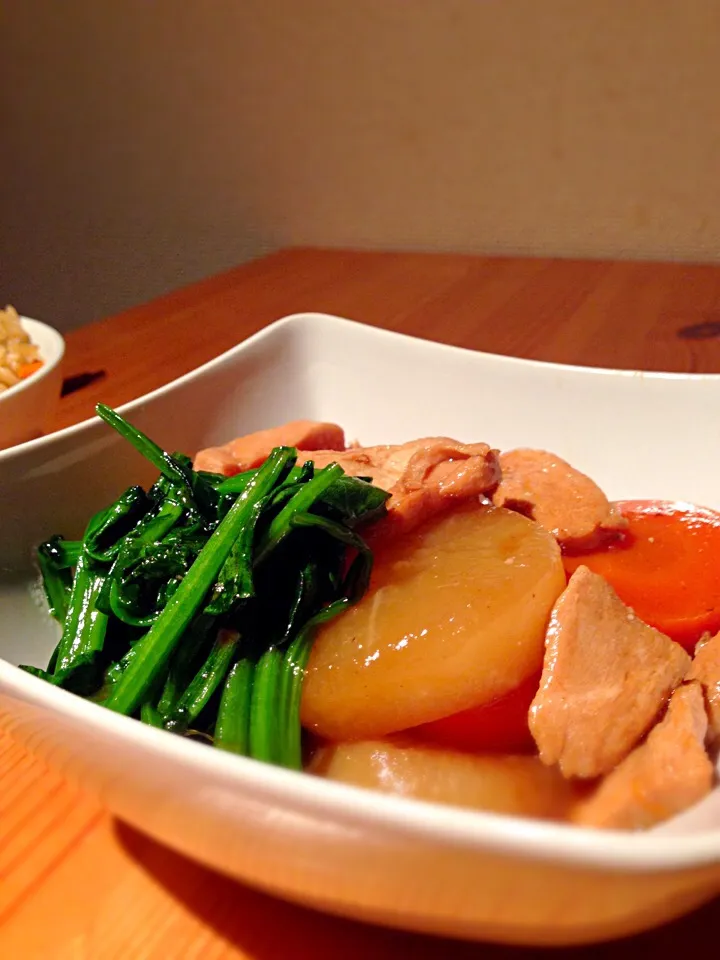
(19, 356)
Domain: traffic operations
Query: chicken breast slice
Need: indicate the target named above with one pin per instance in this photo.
(606, 678)
(423, 476)
(560, 498)
(705, 668)
(665, 775)
(251, 450)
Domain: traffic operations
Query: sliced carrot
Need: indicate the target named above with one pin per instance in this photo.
(497, 727)
(666, 567)
(27, 369)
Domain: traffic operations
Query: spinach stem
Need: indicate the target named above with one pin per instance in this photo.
(166, 464)
(293, 676)
(264, 706)
(85, 626)
(151, 716)
(232, 730)
(208, 678)
(180, 674)
(57, 584)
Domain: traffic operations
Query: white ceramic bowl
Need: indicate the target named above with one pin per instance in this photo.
(342, 849)
(28, 408)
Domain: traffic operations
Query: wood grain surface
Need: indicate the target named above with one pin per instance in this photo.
(76, 884)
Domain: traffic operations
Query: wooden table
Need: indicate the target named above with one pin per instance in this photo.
(76, 884)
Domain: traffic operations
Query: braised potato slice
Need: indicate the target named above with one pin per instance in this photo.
(504, 784)
(455, 617)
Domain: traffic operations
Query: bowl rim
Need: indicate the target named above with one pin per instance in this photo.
(305, 317)
(433, 823)
(57, 342)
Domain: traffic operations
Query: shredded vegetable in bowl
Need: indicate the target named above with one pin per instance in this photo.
(19, 357)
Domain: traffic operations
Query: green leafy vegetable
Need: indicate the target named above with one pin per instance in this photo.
(232, 730)
(204, 684)
(84, 627)
(193, 606)
(55, 560)
(162, 638)
(106, 530)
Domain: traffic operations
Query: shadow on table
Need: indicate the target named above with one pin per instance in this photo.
(268, 929)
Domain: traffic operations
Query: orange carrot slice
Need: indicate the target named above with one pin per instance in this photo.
(666, 567)
(27, 369)
(497, 727)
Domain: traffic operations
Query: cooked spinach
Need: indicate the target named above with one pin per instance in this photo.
(192, 605)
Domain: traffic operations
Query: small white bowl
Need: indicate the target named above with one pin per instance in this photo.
(28, 408)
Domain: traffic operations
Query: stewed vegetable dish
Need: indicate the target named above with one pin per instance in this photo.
(436, 619)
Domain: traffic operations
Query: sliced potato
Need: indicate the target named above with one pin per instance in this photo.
(518, 785)
(454, 618)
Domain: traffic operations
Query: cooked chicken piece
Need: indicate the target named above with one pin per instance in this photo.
(705, 668)
(422, 476)
(662, 777)
(606, 678)
(253, 449)
(560, 498)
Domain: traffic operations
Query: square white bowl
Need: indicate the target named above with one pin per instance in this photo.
(358, 853)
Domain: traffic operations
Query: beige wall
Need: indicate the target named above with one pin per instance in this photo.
(149, 142)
